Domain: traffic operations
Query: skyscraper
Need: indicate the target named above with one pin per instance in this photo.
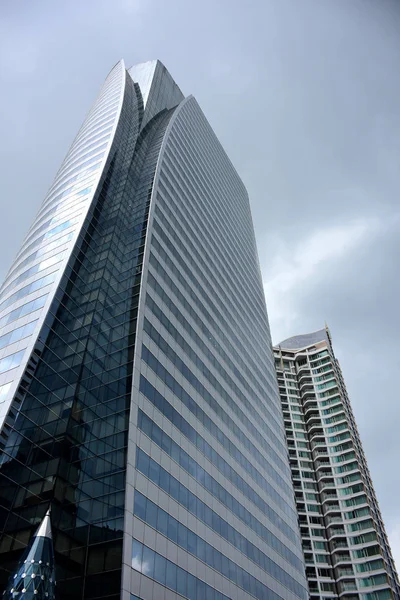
(346, 549)
(139, 396)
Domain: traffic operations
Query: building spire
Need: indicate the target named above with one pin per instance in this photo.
(34, 578)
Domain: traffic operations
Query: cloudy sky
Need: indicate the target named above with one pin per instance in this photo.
(304, 95)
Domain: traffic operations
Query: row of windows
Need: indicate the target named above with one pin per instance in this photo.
(349, 467)
(153, 471)
(380, 595)
(41, 266)
(200, 219)
(339, 438)
(323, 386)
(23, 310)
(206, 350)
(196, 360)
(330, 401)
(165, 376)
(50, 222)
(69, 177)
(342, 448)
(69, 203)
(176, 418)
(189, 271)
(244, 296)
(199, 184)
(4, 391)
(111, 97)
(43, 250)
(61, 227)
(332, 411)
(93, 125)
(349, 478)
(84, 166)
(337, 428)
(367, 524)
(329, 392)
(173, 243)
(29, 289)
(49, 234)
(80, 173)
(11, 361)
(335, 418)
(373, 565)
(167, 573)
(51, 199)
(358, 513)
(104, 106)
(183, 459)
(188, 464)
(366, 552)
(212, 340)
(175, 531)
(211, 208)
(86, 137)
(195, 301)
(17, 334)
(202, 179)
(355, 501)
(87, 154)
(97, 139)
(364, 538)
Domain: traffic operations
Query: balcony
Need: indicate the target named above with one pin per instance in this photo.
(334, 520)
(333, 507)
(341, 557)
(337, 545)
(344, 573)
(333, 531)
(347, 586)
(321, 453)
(314, 441)
(322, 463)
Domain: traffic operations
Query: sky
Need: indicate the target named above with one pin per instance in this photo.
(304, 96)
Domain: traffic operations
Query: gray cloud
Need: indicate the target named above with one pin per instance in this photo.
(304, 96)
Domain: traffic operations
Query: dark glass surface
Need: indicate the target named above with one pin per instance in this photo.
(66, 444)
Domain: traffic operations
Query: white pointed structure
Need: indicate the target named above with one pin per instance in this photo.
(34, 578)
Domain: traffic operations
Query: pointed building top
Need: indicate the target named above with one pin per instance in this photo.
(158, 88)
(44, 529)
(34, 577)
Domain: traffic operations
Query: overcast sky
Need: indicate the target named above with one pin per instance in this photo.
(304, 95)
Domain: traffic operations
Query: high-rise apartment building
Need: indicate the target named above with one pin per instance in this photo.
(346, 550)
(137, 382)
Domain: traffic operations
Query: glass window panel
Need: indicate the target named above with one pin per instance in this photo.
(148, 562)
(137, 555)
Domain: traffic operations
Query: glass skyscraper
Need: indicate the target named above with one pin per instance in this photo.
(138, 393)
(346, 549)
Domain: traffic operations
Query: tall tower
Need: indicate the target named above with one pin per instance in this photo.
(139, 396)
(345, 545)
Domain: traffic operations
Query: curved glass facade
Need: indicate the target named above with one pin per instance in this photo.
(140, 398)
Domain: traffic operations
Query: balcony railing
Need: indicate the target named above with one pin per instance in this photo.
(345, 573)
(333, 520)
(347, 586)
(341, 557)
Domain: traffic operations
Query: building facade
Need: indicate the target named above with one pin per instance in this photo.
(346, 550)
(137, 384)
